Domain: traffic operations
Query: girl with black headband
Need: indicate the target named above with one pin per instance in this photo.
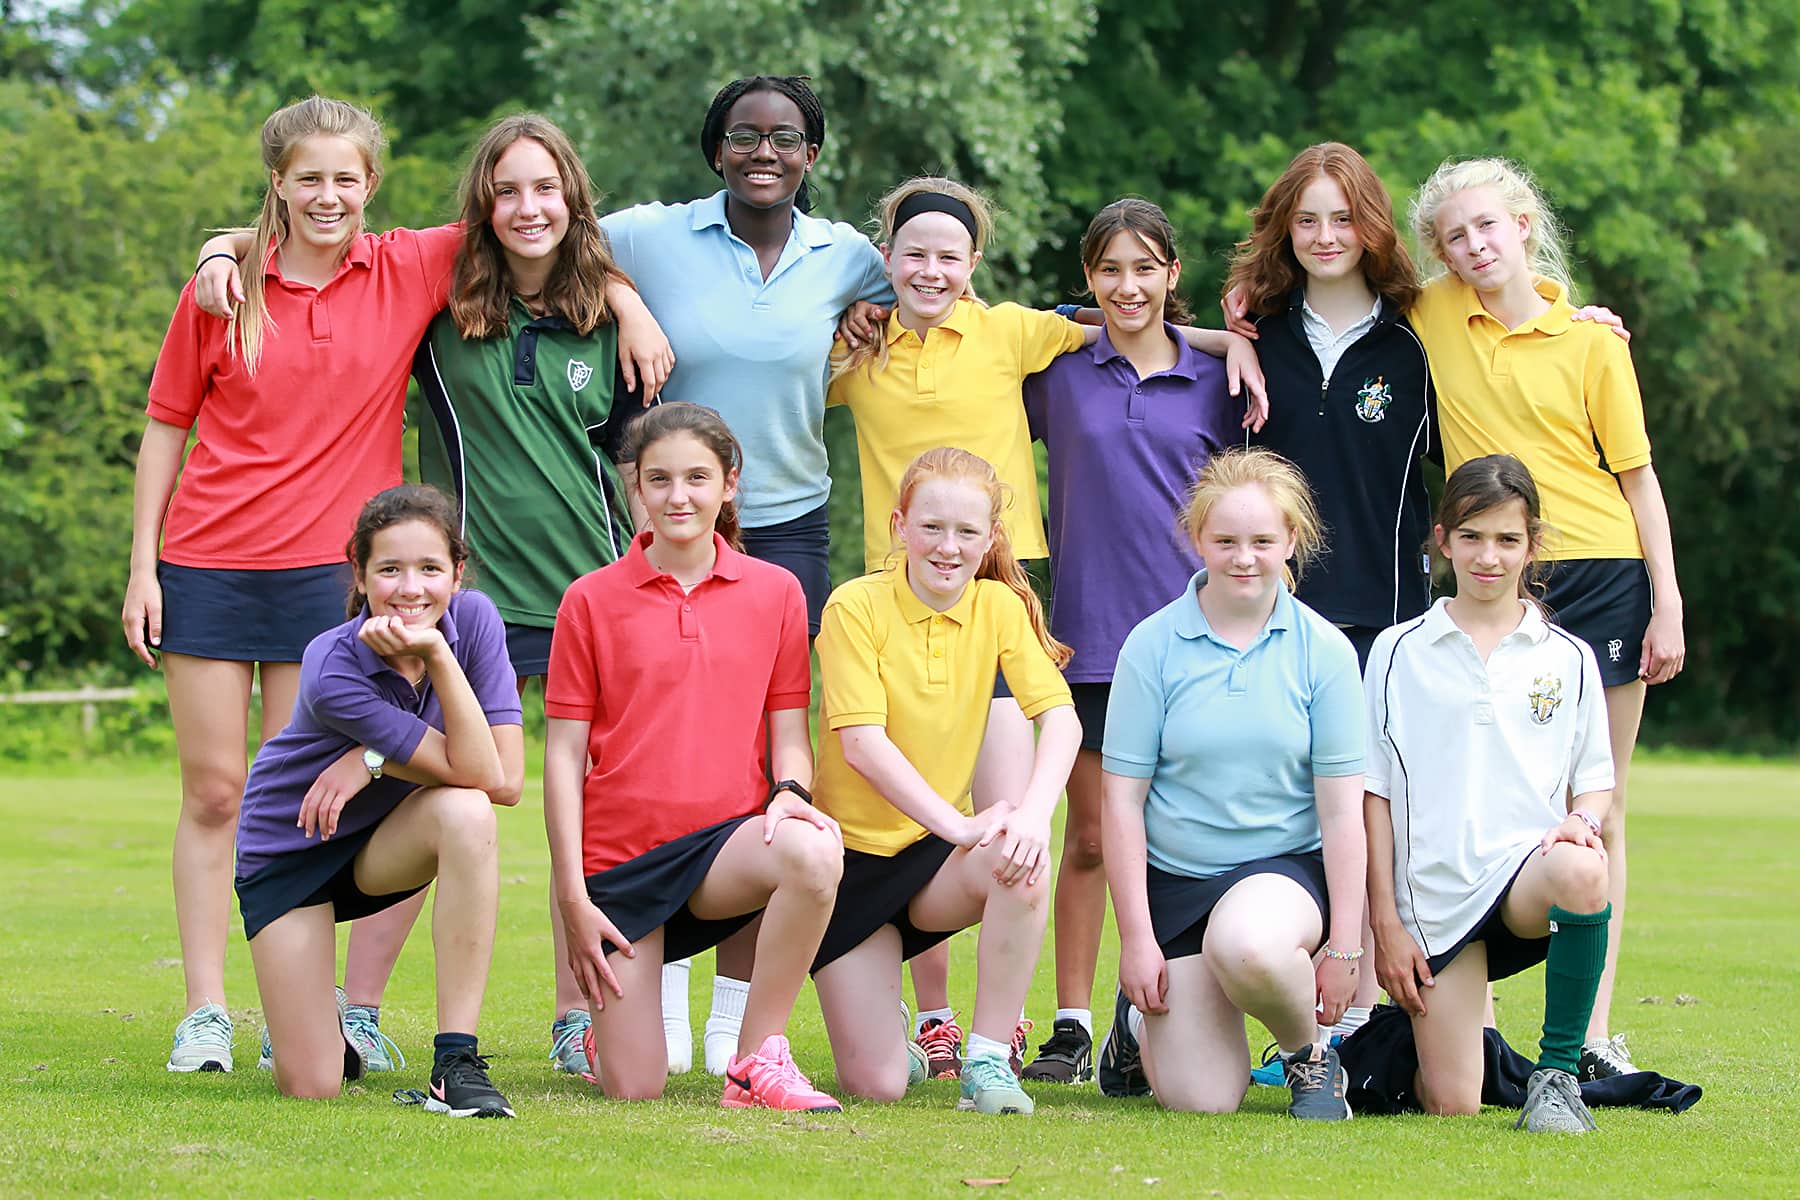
(945, 369)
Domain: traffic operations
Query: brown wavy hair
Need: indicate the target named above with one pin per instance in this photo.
(947, 462)
(396, 506)
(481, 288)
(1264, 268)
(1149, 224)
(708, 428)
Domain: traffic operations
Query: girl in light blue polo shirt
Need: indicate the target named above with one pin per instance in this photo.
(1232, 810)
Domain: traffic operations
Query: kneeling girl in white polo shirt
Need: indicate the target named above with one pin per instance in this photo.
(1484, 721)
(1232, 770)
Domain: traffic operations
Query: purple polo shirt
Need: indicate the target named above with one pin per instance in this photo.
(1123, 452)
(350, 697)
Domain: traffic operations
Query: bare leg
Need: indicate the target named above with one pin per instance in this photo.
(568, 990)
(209, 702)
(1259, 946)
(859, 995)
(1624, 712)
(1080, 887)
(634, 1064)
(295, 957)
(1201, 1039)
(375, 945)
(1012, 919)
(1449, 1036)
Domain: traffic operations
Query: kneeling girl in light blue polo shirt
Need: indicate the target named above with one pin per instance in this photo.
(1232, 810)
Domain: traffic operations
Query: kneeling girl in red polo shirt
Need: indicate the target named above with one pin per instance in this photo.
(909, 656)
(681, 673)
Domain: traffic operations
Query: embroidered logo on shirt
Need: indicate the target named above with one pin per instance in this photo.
(1373, 399)
(1545, 698)
(1613, 648)
(579, 374)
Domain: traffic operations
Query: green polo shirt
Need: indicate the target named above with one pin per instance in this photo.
(521, 430)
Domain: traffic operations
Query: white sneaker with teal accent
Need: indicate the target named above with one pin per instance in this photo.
(989, 1086)
(363, 1026)
(567, 1053)
(202, 1041)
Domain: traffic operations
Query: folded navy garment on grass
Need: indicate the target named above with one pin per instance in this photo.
(1380, 1059)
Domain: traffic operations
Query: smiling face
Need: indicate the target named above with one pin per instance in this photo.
(1481, 241)
(410, 573)
(1488, 550)
(1323, 235)
(1245, 543)
(946, 529)
(324, 187)
(765, 177)
(1131, 283)
(531, 215)
(930, 261)
(683, 486)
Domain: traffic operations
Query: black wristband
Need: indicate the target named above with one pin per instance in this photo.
(213, 255)
(788, 785)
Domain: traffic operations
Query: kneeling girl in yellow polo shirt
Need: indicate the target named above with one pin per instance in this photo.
(908, 657)
(1515, 375)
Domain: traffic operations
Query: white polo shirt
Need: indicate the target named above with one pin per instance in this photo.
(1477, 759)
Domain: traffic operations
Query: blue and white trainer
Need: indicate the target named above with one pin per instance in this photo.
(567, 1053)
(362, 1025)
(202, 1041)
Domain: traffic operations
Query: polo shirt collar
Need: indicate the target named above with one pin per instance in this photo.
(914, 610)
(372, 662)
(728, 563)
(1381, 311)
(1187, 359)
(1191, 623)
(962, 315)
(1558, 318)
(1437, 625)
(709, 213)
(360, 256)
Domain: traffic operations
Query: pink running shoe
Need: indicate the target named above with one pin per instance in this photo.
(769, 1079)
(592, 1074)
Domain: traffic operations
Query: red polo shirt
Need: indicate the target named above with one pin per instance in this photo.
(284, 460)
(675, 687)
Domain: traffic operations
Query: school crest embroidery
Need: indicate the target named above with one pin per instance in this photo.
(1373, 399)
(579, 374)
(1545, 698)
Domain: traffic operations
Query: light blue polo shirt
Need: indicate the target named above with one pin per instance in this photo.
(757, 350)
(1231, 739)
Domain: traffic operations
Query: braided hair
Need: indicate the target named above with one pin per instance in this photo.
(795, 87)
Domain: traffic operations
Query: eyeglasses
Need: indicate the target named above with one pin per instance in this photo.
(782, 141)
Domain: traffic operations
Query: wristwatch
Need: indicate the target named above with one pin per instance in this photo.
(789, 785)
(373, 759)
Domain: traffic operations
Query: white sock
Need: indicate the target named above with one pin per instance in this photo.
(1081, 1015)
(1134, 1022)
(929, 1014)
(1352, 1020)
(980, 1047)
(678, 1032)
(727, 1019)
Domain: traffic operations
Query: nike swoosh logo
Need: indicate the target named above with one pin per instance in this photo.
(743, 1083)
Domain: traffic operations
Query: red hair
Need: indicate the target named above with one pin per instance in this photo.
(1264, 268)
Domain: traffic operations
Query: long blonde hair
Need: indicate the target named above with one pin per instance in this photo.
(959, 466)
(873, 355)
(1544, 245)
(1280, 480)
(282, 134)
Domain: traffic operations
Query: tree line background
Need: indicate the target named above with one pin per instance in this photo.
(1667, 133)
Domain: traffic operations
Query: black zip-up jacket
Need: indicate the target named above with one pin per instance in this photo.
(1359, 437)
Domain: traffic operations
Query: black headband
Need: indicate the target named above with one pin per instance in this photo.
(924, 202)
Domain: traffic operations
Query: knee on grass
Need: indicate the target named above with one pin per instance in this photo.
(303, 1083)
(1449, 1097)
(866, 1081)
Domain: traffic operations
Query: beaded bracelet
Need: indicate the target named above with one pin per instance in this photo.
(1342, 955)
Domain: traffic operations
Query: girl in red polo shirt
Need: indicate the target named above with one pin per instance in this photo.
(680, 672)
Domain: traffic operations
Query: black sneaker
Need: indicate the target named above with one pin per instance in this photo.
(1121, 1069)
(1604, 1060)
(1067, 1055)
(1316, 1085)
(460, 1087)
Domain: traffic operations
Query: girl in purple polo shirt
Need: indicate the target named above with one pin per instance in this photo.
(405, 734)
(1126, 423)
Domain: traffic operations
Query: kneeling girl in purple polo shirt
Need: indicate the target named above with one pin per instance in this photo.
(1126, 422)
(1232, 810)
(1490, 774)
(405, 735)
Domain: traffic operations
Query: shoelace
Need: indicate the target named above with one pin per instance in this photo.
(466, 1068)
(208, 1022)
(1558, 1091)
(1021, 1035)
(364, 1031)
(1063, 1043)
(563, 1034)
(988, 1073)
(948, 1033)
(1310, 1073)
(1615, 1055)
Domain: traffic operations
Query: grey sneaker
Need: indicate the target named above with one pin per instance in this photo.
(1067, 1055)
(202, 1041)
(1316, 1084)
(567, 1052)
(1603, 1060)
(1553, 1104)
(362, 1026)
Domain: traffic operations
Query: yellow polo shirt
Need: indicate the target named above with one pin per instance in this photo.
(957, 386)
(1559, 394)
(927, 678)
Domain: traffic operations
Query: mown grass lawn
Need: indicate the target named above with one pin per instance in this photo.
(92, 989)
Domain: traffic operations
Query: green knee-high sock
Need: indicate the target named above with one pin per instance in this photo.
(1572, 970)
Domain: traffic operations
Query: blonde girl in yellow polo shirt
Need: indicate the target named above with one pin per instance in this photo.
(946, 369)
(908, 656)
(1514, 374)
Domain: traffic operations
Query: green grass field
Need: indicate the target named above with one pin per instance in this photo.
(93, 988)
